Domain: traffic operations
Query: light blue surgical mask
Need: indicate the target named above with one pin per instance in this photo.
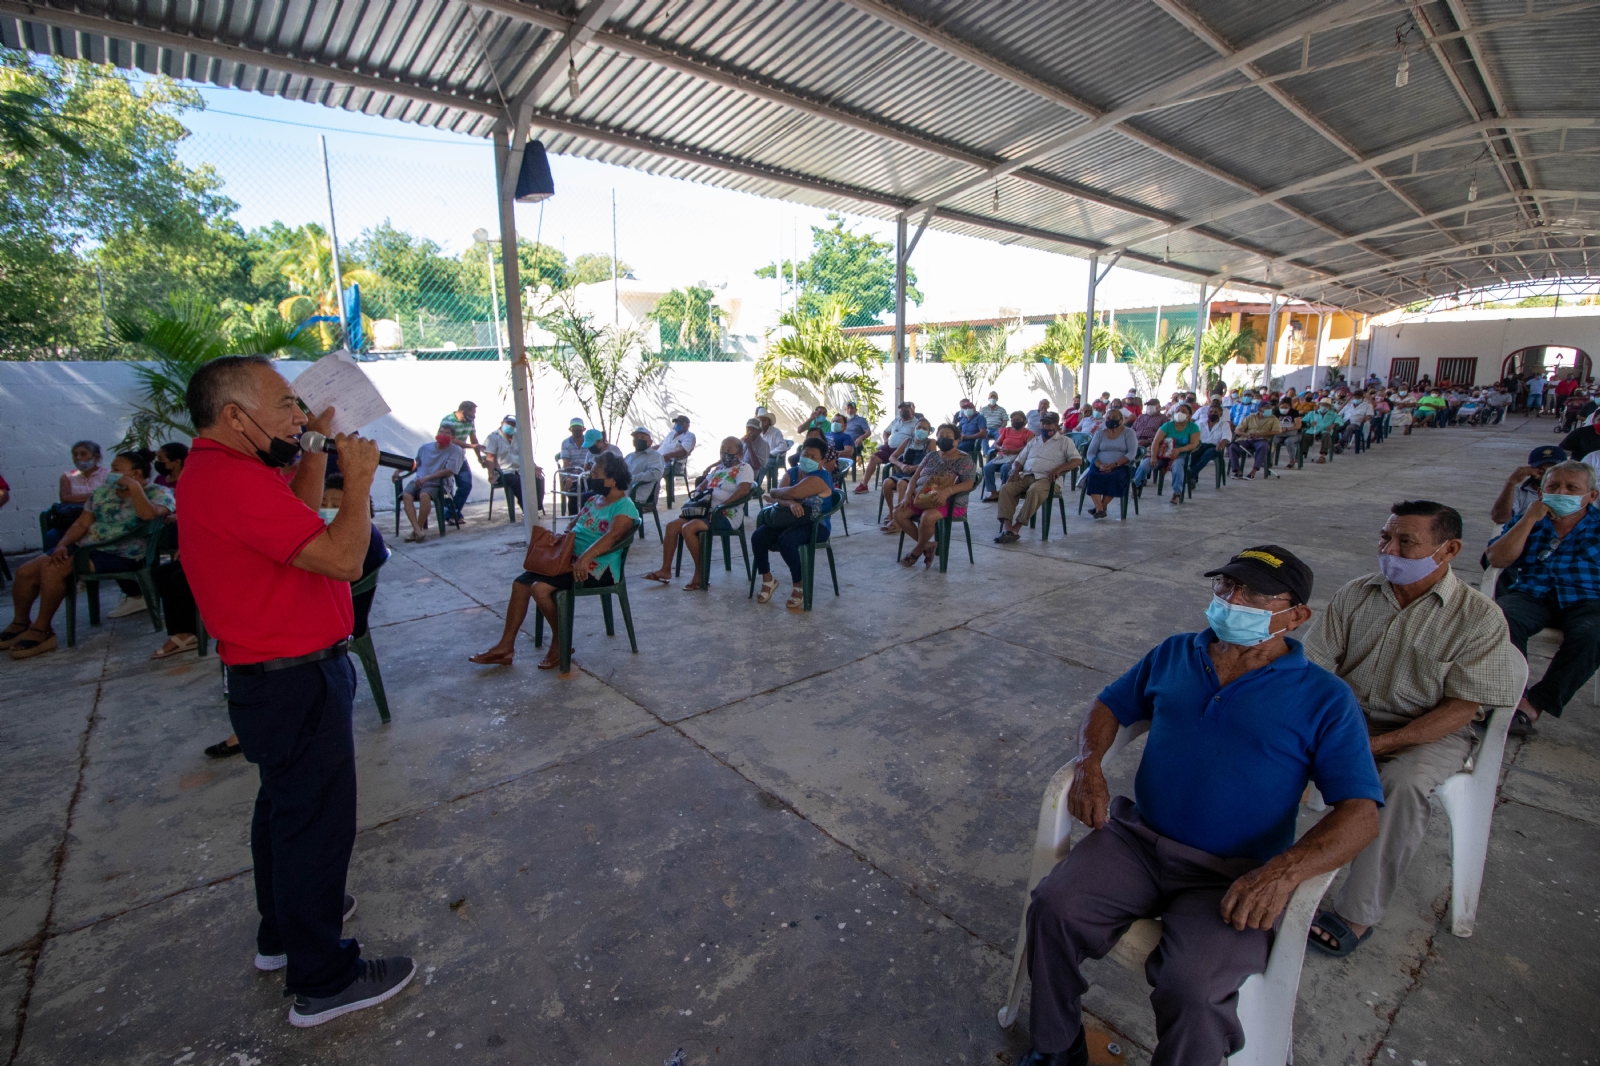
(808, 465)
(1234, 623)
(920, 434)
(327, 514)
(1560, 505)
(113, 478)
(509, 430)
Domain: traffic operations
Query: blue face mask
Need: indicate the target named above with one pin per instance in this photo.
(113, 478)
(1234, 623)
(808, 465)
(920, 434)
(1559, 505)
(327, 514)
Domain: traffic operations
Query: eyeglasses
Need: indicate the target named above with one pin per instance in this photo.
(1555, 544)
(1224, 588)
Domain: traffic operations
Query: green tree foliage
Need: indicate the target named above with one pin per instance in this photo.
(851, 266)
(690, 323)
(106, 189)
(1222, 344)
(591, 267)
(604, 367)
(819, 363)
(976, 358)
(171, 345)
(1152, 358)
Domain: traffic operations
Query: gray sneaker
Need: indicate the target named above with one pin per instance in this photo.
(376, 980)
(269, 963)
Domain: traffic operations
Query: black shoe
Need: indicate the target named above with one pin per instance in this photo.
(223, 750)
(376, 980)
(1076, 1055)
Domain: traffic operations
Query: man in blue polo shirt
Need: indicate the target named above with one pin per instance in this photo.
(1240, 720)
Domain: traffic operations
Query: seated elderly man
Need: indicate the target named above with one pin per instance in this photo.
(1253, 437)
(1424, 652)
(645, 464)
(1554, 547)
(432, 479)
(1043, 461)
(1521, 490)
(114, 509)
(1239, 719)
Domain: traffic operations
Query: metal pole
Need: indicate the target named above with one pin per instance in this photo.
(521, 380)
(494, 300)
(616, 297)
(899, 311)
(1202, 318)
(1316, 352)
(333, 241)
(1272, 339)
(1088, 329)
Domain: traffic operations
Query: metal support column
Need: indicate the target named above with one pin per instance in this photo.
(1316, 352)
(901, 253)
(521, 380)
(1202, 319)
(1088, 329)
(1272, 339)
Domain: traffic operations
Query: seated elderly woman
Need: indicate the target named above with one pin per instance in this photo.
(830, 457)
(1207, 843)
(942, 475)
(115, 509)
(1110, 457)
(901, 468)
(602, 526)
(816, 487)
(716, 500)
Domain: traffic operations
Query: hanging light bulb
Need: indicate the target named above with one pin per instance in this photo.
(1472, 192)
(574, 86)
(1402, 74)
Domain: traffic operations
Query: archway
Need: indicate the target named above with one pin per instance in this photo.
(1543, 358)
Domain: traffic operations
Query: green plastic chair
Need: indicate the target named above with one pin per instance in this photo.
(942, 530)
(647, 506)
(150, 533)
(442, 504)
(566, 601)
(1061, 502)
(727, 546)
(808, 554)
(362, 646)
(1128, 493)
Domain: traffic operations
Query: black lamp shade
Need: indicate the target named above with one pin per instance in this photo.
(534, 182)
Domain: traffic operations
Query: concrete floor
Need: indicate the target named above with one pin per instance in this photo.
(767, 838)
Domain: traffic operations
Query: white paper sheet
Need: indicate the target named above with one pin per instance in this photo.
(336, 380)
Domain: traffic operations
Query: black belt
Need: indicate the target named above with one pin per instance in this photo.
(331, 652)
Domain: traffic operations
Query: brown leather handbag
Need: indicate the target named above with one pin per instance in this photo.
(548, 554)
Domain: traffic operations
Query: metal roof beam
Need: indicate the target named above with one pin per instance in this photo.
(1446, 139)
(1465, 251)
(44, 14)
(579, 32)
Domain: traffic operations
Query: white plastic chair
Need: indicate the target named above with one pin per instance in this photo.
(1266, 1000)
(1486, 584)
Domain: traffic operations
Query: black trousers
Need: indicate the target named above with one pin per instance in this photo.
(1575, 661)
(177, 602)
(294, 725)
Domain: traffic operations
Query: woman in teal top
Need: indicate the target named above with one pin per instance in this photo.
(600, 531)
(1185, 437)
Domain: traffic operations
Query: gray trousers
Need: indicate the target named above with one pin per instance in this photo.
(1409, 778)
(1081, 909)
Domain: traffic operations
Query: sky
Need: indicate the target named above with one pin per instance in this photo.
(671, 232)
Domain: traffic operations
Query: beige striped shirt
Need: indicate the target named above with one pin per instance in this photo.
(1452, 643)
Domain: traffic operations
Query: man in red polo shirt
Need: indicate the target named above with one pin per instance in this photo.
(273, 584)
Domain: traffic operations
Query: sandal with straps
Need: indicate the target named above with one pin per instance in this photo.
(1327, 927)
(24, 648)
(769, 585)
(13, 633)
(796, 601)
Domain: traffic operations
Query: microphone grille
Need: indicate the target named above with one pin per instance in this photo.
(312, 441)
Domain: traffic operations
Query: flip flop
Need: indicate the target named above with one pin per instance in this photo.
(1345, 939)
(656, 576)
(484, 658)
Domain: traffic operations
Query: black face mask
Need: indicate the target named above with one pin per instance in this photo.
(598, 449)
(280, 452)
(598, 484)
(945, 444)
(641, 445)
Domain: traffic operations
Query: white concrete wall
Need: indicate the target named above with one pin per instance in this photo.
(46, 406)
(1486, 336)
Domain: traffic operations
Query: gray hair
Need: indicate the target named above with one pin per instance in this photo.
(217, 384)
(1573, 466)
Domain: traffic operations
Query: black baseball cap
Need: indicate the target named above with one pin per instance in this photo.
(1545, 454)
(1270, 569)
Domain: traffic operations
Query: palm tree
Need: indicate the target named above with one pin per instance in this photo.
(691, 324)
(1221, 344)
(976, 359)
(605, 367)
(1063, 341)
(171, 345)
(1152, 358)
(29, 122)
(306, 263)
(818, 363)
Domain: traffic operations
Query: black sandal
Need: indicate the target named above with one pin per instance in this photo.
(13, 633)
(1521, 725)
(1330, 925)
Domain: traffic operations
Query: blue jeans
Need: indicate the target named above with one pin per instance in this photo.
(294, 725)
(990, 469)
(463, 487)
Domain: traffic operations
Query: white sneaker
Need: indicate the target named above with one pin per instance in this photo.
(129, 605)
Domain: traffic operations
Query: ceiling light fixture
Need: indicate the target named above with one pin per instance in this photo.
(1472, 192)
(574, 86)
(1402, 74)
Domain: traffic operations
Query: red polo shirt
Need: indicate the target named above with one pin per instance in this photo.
(242, 528)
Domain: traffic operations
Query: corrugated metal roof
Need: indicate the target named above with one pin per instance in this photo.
(875, 106)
